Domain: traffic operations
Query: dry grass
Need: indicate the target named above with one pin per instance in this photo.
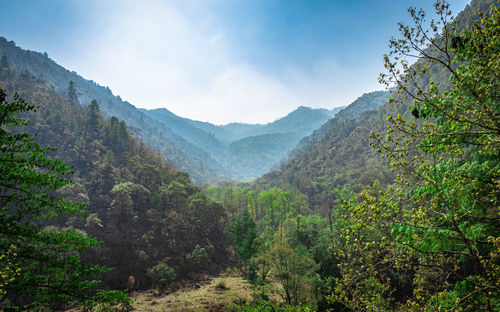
(208, 297)
(227, 292)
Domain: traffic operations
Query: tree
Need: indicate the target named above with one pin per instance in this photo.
(93, 116)
(294, 270)
(244, 232)
(43, 262)
(71, 93)
(431, 241)
(163, 275)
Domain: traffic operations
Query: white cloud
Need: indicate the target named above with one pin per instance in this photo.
(153, 55)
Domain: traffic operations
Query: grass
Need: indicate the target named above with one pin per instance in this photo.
(227, 292)
(219, 294)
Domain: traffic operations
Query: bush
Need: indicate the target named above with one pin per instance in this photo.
(162, 275)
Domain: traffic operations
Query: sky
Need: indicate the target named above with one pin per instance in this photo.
(220, 61)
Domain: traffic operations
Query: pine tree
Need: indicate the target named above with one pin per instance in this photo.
(93, 117)
(71, 93)
(43, 264)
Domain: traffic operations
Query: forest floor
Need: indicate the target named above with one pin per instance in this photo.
(226, 292)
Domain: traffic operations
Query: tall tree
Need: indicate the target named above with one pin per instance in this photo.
(93, 118)
(71, 93)
(244, 232)
(45, 260)
(432, 241)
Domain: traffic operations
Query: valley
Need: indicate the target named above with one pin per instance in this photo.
(208, 152)
(386, 203)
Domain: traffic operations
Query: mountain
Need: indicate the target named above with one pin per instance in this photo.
(339, 155)
(366, 102)
(207, 152)
(245, 150)
(183, 154)
(144, 211)
(239, 130)
(262, 148)
(301, 122)
(184, 128)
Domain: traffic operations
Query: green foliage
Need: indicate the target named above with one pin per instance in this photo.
(430, 242)
(199, 257)
(243, 235)
(9, 269)
(294, 270)
(162, 275)
(282, 243)
(71, 93)
(41, 265)
(93, 116)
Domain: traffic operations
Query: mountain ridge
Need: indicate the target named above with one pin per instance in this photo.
(182, 154)
(339, 155)
(200, 148)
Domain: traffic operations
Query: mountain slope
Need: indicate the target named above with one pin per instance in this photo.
(204, 150)
(367, 101)
(187, 130)
(262, 148)
(145, 212)
(339, 154)
(245, 151)
(255, 155)
(183, 154)
(336, 155)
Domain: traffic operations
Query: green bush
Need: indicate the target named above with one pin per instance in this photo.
(162, 275)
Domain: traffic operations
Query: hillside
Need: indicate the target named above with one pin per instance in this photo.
(135, 198)
(338, 154)
(203, 150)
(368, 101)
(183, 154)
(245, 151)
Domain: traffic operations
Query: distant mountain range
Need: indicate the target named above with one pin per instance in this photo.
(245, 150)
(208, 152)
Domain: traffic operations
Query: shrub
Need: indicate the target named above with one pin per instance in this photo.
(162, 275)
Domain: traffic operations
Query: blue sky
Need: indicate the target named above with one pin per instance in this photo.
(213, 60)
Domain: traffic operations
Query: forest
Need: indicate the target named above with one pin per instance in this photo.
(390, 204)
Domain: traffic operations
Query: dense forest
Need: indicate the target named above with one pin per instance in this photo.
(134, 200)
(390, 204)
